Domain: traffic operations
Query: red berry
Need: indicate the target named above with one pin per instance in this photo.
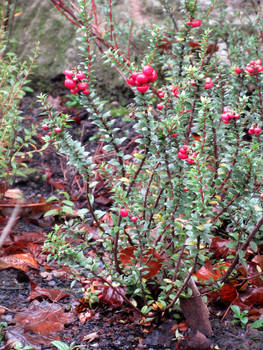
(44, 127)
(141, 79)
(225, 118)
(86, 92)
(259, 62)
(124, 212)
(74, 91)
(57, 130)
(190, 161)
(174, 135)
(259, 69)
(251, 131)
(193, 83)
(83, 86)
(69, 83)
(261, 195)
(147, 70)
(80, 75)
(186, 189)
(238, 70)
(153, 77)
(189, 23)
(131, 81)
(209, 85)
(161, 93)
(250, 70)
(142, 88)
(176, 92)
(182, 155)
(134, 218)
(159, 106)
(134, 75)
(257, 130)
(49, 133)
(184, 149)
(68, 74)
(196, 23)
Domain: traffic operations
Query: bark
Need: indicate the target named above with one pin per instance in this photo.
(196, 311)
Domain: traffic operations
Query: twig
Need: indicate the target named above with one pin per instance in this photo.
(10, 224)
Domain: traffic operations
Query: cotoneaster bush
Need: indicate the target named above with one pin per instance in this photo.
(196, 167)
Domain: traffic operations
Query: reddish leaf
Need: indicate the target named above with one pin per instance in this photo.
(44, 318)
(106, 294)
(218, 247)
(16, 334)
(253, 271)
(150, 257)
(18, 261)
(51, 294)
(112, 297)
(205, 273)
(228, 293)
(255, 297)
(211, 271)
(194, 44)
(29, 237)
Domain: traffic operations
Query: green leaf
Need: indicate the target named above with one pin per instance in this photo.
(67, 210)
(60, 345)
(51, 199)
(236, 310)
(257, 324)
(52, 212)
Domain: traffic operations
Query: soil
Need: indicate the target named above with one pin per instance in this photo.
(106, 328)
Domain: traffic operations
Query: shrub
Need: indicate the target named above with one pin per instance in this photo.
(196, 168)
(13, 78)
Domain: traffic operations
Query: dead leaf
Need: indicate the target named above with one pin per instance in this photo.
(106, 294)
(150, 258)
(44, 318)
(18, 261)
(52, 294)
(90, 337)
(218, 247)
(13, 193)
(254, 297)
(17, 334)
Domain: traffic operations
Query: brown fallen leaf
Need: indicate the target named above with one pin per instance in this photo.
(17, 334)
(20, 261)
(43, 318)
(51, 294)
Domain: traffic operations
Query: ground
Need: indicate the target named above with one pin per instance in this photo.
(38, 303)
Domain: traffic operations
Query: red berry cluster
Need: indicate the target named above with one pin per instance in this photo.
(254, 67)
(238, 70)
(254, 131)
(195, 23)
(142, 79)
(184, 154)
(174, 90)
(45, 127)
(75, 82)
(228, 114)
(208, 83)
(124, 213)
